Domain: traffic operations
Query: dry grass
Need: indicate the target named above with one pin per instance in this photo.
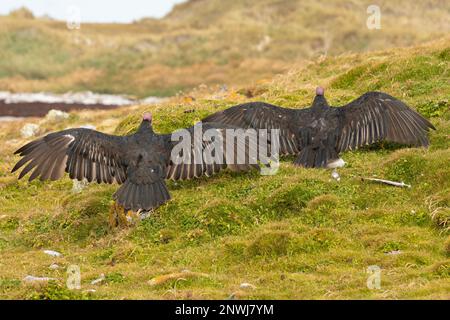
(209, 41)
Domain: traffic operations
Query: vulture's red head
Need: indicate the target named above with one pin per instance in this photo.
(320, 103)
(147, 117)
(320, 91)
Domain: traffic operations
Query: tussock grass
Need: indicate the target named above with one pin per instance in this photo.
(298, 234)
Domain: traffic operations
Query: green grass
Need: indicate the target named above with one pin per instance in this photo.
(297, 235)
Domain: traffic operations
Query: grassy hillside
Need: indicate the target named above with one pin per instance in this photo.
(298, 234)
(203, 41)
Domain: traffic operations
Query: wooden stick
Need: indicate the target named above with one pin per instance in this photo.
(392, 183)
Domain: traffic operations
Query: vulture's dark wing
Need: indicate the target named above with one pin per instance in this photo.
(83, 153)
(377, 116)
(260, 115)
(210, 156)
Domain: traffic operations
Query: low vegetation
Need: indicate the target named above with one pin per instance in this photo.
(297, 234)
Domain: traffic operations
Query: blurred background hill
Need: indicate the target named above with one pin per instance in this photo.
(210, 42)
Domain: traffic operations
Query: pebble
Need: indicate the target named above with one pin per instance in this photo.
(56, 115)
(32, 279)
(246, 285)
(98, 280)
(90, 291)
(78, 186)
(393, 253)
(29, 130)
(52, 253)
(336, 176)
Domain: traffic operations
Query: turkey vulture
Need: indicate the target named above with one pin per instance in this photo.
(319, 133)
(140, 162)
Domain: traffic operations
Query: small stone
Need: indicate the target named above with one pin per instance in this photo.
(56, 115)
(78, 186)
(98, 280)
(33, 279)
(336, 176)
(90, 291)
(29, 130)
(145, 214)
(246, 285)
(52, 253)
(183, 275)
(394, 252)
(54, 266)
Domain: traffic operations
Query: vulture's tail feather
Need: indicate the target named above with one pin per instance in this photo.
(133, 196)
(311, 157)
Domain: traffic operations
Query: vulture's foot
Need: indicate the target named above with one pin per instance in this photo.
(121, 218)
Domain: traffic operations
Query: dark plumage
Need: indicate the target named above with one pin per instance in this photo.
(139, 162)
(319, 133)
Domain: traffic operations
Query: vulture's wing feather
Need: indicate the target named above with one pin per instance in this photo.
(260, 115)
(83, 153)
(209, 156)
(377, 116)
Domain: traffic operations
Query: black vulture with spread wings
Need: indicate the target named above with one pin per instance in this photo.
(319, 133)
(140, 162)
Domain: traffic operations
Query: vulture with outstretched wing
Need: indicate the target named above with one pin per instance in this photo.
(319, 133)
(140, 162)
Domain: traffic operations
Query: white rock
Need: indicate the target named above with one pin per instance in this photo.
(246, 285)
(56, 115)
(263, 44)
(336, 175)
(29, 130)
(53, 253)
(78, 186)
(90, 291)
(98, 280)
(31, 279)
(53, 266)
(394, 252)
(145, 214)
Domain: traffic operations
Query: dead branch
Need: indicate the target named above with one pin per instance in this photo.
(392, 183)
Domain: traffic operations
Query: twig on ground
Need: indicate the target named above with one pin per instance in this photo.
(392, 183)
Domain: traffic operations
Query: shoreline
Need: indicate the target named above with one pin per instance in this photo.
(38, 104)
(40, 109)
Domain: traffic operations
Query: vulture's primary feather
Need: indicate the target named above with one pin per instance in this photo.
(319, 133)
